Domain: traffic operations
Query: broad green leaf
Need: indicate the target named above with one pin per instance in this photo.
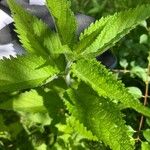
(146, 134)
(107, 31)
(145, 146)
(100, 116)
(35, 36)
(26, 102)
(37, 101)
(25, 72)
(105, 84)
(64, 20)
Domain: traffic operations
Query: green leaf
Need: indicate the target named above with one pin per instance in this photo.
(25, 72)
(139, 72)
(53, 44)
(100, 116)
(144, 24)
(143, 39)
(25, 102)
(53, 104)
(146, 134)
(73, 125)
(136, 92)
(107, 31)
(33, 105)
(64, 20)
(35, 36)
(30, 119)
(58, 85)
(145, 146)
(90, 34)
(124, 63)
(106, 84)
(42, 146)
(148, 121)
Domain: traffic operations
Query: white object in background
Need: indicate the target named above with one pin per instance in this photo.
(37, 2)
(11, 49)
(5, 19)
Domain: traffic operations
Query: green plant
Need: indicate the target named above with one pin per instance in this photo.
(98, 8)
(59, 86)
(137, 78)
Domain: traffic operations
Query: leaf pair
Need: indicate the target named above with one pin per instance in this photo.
(104, 33)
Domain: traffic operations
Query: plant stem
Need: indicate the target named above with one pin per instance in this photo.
(121, 70)
(145, 96)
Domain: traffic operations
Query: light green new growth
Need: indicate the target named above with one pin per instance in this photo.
(34, 34)
(64, 20)
(107, 31)
(100, 116)
(24, 72)
(106, 84)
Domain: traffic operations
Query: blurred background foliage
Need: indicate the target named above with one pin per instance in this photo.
(98, 8)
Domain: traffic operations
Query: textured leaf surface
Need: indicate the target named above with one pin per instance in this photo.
(107, 31)
(106, 84)
(24, 72)
(74, 126)
(90, 34)
(64, 19)
(34, 34)
(100, 116)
